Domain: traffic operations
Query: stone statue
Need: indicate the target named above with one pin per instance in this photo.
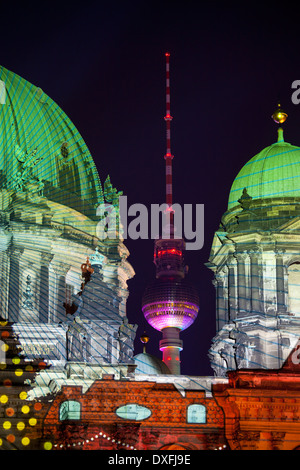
(127, 334)
(76, 341)
(111, 194)
(24, 178)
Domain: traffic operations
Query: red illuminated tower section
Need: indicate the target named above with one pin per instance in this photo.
(168, 155)
(170, 304)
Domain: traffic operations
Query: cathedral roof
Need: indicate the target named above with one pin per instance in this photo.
(272, 173)
(39, 144)
(149, 365)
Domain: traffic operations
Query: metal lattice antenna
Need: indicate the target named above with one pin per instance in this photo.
(168, 156)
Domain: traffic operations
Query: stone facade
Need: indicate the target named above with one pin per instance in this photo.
(43, 247)
(100, 427)
(262, 408)
(255, 260)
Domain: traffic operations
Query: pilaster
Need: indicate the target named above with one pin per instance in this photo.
(45, 261)
(5, 281)
(14, 284)
(280, 282)
(57, 293)
(241, 281)
(232, 287)
(256, 281)
(220, 284)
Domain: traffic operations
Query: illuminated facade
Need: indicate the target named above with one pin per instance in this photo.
(134, 416)
(262, 407)
(64, 328)
(255, 259)
(50, 207)
(68, 376)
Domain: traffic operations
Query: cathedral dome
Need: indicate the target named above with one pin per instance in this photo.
(149, 365)
(41, 146)
(272, 173)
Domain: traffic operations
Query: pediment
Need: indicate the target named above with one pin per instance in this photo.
(291, 226)
(217, 243)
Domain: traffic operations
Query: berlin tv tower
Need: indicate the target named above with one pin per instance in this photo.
(170, 304)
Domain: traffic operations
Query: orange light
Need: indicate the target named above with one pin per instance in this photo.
(42, 365)
(10, 412)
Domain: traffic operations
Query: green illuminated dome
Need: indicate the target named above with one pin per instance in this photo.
(272, 173)
(41, 147)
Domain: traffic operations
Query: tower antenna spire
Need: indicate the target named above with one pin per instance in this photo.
(168, 156)
(170, 304)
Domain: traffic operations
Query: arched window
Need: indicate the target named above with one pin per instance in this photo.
(69, 409)
(196, 414)
(294, 288)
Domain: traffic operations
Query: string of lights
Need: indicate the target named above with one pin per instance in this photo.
(100, 435)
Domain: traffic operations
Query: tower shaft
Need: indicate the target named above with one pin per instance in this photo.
(171, 345)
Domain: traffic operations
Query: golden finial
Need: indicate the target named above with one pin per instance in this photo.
(144, 339)
(279, 116)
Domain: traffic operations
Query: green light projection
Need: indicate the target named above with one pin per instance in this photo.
(49, 194)
(41, 150)
(273, 172)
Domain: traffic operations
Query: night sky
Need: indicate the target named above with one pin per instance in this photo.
(103, 63)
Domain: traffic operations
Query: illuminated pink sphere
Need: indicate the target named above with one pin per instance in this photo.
(170, 303)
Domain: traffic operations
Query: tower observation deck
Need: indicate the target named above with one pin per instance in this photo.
(170, 304)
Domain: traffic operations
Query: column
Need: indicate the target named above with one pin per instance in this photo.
(241, 281)
(280, 291)
(256, 281)
(44, 287)
(4, 291)
(217, 288)
(57, 290)
(28, 311)
(14, 285)
(232, 294)
(221, 300)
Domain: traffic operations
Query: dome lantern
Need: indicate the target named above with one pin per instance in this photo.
(272, 173)
(279, 116)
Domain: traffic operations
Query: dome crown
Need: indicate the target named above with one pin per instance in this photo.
(273, 172)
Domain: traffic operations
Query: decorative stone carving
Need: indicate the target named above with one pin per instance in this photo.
(24, 179)
(28, 294)
(126, 336)
(97, 309)
(245, 200)
(77, 341)
(5, 237)
(46, 258)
